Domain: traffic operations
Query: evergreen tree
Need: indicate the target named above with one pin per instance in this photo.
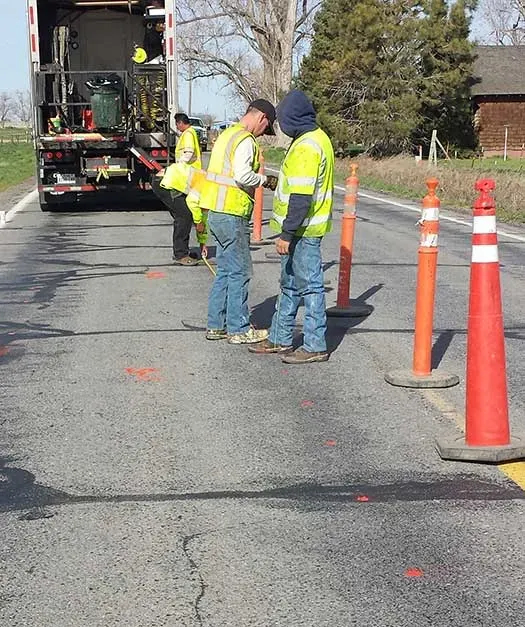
(446, 71)
(384, 72)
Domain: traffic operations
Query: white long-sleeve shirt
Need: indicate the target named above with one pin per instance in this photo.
(242, 166)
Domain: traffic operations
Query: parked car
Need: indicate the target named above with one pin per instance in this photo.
(202, 132)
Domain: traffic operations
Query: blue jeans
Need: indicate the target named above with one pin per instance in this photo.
(301, 277)
(228, 300)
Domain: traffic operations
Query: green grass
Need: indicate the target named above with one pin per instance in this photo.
(488, 164)
(274, 156)
(17, 164)
(402, 177)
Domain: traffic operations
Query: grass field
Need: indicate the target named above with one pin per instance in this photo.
(17, 163)
(403, 177)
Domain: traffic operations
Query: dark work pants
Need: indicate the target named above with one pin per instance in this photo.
(182, 218)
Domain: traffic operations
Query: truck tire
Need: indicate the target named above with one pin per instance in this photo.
(204, 147)
(47, 202)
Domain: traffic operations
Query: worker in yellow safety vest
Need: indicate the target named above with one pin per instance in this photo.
(302, 215)
(176, 180)
(228, 194)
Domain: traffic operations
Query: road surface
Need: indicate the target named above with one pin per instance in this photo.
(149, 477)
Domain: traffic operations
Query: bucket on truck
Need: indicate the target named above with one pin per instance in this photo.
(106, 101)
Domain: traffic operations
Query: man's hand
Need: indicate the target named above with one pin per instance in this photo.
(282, 246)
(200, 227)
(271, 182)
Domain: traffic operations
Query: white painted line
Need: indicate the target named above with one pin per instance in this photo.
(20, 205)
(519, 238)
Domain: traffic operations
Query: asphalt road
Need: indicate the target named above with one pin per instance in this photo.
(150, 477)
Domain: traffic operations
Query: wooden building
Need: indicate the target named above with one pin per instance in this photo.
(498, 94)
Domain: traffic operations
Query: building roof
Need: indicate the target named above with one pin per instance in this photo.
(499, 71)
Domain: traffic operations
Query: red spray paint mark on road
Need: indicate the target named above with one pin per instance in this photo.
(155, 275)
(362, 498)
(285, 371)
(413, 572)
(144, 374)
(330, 443)
(307, 403)
(3, 350)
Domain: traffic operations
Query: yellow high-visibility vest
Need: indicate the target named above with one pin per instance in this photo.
(178, 174)
(308, 168)
(220, 191)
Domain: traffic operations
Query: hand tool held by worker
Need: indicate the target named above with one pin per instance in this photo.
(271, 182)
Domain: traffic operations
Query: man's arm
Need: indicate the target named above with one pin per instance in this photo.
(242, 165)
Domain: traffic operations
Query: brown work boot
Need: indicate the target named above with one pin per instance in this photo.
(266, 347)
(301, 356)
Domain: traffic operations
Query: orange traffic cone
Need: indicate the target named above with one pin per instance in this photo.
(487, 433)
(258, 206)
(346, 307)
(422, 375)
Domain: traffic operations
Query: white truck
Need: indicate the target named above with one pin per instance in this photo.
(104, 95)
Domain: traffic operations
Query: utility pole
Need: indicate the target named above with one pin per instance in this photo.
(190, 88)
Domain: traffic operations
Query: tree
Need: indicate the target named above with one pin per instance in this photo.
(361, 71)
(446, 58)
(22, 106)
(384, 72)
(6, 107)
(250, 43)
(505, 20)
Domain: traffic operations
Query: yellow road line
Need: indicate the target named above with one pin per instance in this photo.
(515, 471)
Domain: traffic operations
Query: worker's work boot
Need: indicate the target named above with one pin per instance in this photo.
(216, 334)
(252, 336)
(301, 356)
(266, 347)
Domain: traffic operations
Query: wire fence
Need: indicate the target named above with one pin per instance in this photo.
(15, 136)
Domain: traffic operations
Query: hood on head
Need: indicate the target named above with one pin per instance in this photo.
(296, 114)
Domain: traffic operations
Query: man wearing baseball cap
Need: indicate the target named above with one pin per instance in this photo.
(228, 194)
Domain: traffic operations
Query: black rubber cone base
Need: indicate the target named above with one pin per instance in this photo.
(355, 309)
(458, 450)
(407, 379)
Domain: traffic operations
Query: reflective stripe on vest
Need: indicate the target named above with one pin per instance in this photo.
(221, 192)
(296, 177)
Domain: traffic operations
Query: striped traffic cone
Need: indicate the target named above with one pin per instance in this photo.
(487, 432)
(344, 306)
(422, 375)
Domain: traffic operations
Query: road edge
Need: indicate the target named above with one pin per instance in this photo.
(7, 216)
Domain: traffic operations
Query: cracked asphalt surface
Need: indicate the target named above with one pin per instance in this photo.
(148, 477)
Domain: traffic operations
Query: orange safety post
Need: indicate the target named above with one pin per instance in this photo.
(487, 432)
(421, 375)
(345, 307)
(257, 217)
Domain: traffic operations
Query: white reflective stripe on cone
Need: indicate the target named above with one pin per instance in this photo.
(484, 224)
(430, 214)
(485, 253)
(429, 240)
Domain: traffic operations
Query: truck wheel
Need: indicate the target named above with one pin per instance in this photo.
(46, 206)
(48, 203)
(204, 147)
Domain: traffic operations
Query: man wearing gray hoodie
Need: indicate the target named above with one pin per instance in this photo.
(302, 215)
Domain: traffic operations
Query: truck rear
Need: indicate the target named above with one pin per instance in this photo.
(104, 95)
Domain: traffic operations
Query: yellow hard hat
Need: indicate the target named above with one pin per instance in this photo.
(140, 55)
